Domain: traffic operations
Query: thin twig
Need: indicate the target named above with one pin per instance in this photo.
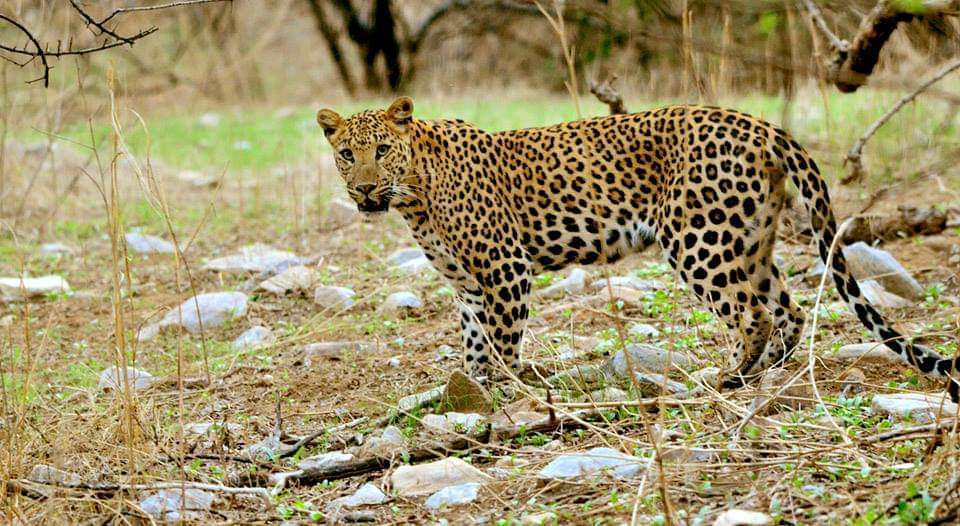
(40, 53)
(122, 10)
(854, 156)
(816, 15)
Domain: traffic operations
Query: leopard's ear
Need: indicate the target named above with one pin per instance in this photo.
(329, 121)
(400, 113)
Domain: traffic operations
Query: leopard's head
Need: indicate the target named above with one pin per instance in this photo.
(373, 152)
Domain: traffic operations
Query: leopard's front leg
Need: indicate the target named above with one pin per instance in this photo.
(504, 292)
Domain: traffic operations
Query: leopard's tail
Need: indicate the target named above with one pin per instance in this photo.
(806, 177)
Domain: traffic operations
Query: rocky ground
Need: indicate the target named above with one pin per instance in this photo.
(311, 375)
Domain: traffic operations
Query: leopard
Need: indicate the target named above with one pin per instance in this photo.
(706, 185)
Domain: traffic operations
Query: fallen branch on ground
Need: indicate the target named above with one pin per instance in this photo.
(37, 489)
(459, 444)
(908, 221)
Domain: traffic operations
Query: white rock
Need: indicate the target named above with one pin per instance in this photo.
(594, 461)
(325, 460)
(539, 519)
(389, 444)
(313, 352)
(212, 309)
(166, 505)
(643, 358)
(252, 258)
(394, 362)
(44, 474)
(209, 119)
(401, 300)
(294, 279)
(872, 351)
(643, 285)
(405, 255)
(866, 262)
(454, 495)
(416, 266)
(253, 338)
(341, 213)
(643, 330)
(205, 428)
(368, 494)
(197, 179)
(144, 244)
(877, 295)
(56, 249)
(452, 421)
(742, 518)
(574, 283)
(15, 289)
(923, 408)
(112, 378)
(333, 297)
(424, 479)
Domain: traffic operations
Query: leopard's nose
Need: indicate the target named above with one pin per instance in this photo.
(365, 189)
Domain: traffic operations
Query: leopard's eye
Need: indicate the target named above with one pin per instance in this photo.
(347, 154)
(382, 150)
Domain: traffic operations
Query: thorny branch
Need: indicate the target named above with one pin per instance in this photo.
(45, 51)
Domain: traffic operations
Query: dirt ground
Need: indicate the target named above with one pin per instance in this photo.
(802, 461)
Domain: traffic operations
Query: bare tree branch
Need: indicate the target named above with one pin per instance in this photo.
(854, 155)
(607, 94)
(44, 52)
(853, 62)
(36, 43)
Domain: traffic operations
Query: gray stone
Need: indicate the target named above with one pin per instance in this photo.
(416, 267)
(609, 394)
(44, 474)
(866, 262)
(870, 352)
(16, 289)
(295, 279)
(390, 443)
(643, 330)
(922, 408)
(877, 295)
(542, 518)
(631, 282)
(144, 244)
(253, 338)
(212, 309)
(742, 518)
(368, 494)
(454, 495)
(112, 379)
(253, 258)
(333, 297)
(425, 479)
(582, 376)
(594, 461)
(325, 460)
(453, 421)
(652, 384)
(574, 283)
(798, 396)
(206, 428)
(175, 505)
(400, 301)
(405, 255)
(56, 249)
(643, 358)
(197, 179)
